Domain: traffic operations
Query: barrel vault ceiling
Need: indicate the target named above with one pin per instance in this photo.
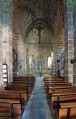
(52, 11)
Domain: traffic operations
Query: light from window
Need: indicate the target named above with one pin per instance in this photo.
(49, 62)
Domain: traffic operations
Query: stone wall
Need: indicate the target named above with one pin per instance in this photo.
(69, 40)
(1, 56)
(19, 47)
(7, 36)
(74, 41)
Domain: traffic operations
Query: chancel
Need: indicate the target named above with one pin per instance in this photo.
(38, 59)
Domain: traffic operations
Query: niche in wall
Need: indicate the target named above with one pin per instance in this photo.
(14, 61)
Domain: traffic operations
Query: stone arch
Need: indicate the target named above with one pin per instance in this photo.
(36, 23)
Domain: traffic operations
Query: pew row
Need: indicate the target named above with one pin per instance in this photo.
(15, 96)
(11, 104)
(62, 97)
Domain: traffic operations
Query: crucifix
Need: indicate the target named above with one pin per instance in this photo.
(39, 28)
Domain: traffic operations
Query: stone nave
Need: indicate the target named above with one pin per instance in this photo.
(37, 41)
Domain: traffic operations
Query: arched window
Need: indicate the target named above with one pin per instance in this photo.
(31, 61)
(49, 62)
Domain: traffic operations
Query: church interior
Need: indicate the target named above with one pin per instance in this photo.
(37, 59)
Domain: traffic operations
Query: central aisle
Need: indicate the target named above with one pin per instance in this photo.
(37, 107)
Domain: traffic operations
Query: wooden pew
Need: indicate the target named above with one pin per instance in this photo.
(57, 84)
(6, 111)
(16, 99)
(55, 81)
(67, 111)
(23, 94)
(26, 84)
(64, 103)
(32, 79)
(23, 77)
(63, 97)
(12, 101)
(60, 93)
(20, 87)
(52, 79)
(48, 81)
(21, 81)
(25, 80)
(31, 84)
(48, 77)
(58, 88)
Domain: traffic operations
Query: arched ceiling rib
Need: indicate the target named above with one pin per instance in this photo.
(38, 22)
(52, 11)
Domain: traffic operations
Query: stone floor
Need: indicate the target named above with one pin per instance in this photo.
(37, 106)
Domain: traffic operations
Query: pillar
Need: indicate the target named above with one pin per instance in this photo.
(54, 65)
(27, 60)
(69, 40)
(7, 36)
(75, 41)
(1, 81)
(57, 57)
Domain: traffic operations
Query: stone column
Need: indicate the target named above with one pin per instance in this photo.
(27, 60)
(7, 36)
(69, 40)
(75, 41)
(54, 65)
(1, 81)
(57, 58)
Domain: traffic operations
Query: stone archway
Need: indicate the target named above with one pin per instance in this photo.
(34, 25)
